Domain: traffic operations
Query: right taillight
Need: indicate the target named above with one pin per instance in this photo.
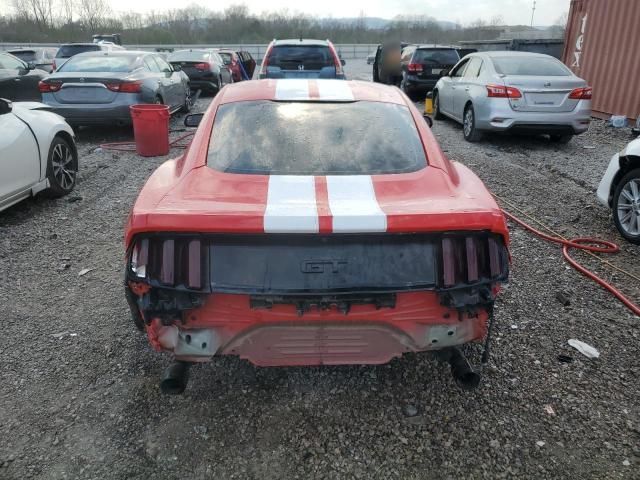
(502, 91)
(265, 60)
(468, 259)
(49, 86)
(583, 93)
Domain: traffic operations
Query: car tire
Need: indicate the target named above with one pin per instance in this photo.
(186, 108)
(437, 114)
(629, 184)
(62, 167)
(471, 133)
(219, 86)
(563, 139)
(404, 87)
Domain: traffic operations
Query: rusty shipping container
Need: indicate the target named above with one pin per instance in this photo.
(602, 45)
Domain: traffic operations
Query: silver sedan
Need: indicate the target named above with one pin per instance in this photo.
(516, 92)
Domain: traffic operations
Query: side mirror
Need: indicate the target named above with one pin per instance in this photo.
(176, 68)
(193, 120)
(31, 66)
(428, 119)
(343, 62)
(5, 106)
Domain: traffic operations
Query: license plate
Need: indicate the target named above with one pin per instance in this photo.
(436, 71)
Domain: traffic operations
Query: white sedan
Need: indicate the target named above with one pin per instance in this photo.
(37, 153)
(620, 190)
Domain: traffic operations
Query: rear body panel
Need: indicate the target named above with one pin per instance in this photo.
(313, 270)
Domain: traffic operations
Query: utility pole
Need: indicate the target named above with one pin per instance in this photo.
(533, 11)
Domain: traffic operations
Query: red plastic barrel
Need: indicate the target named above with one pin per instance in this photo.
(151, 129)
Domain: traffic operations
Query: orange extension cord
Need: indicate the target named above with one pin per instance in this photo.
(590, 245)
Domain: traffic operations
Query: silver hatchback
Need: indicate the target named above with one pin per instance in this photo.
(516, 92)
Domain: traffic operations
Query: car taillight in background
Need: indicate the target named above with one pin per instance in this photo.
(125, 87)
(202, 66)
(336, 59)
(583, 93)
(49, 86)
(415, 67)
(265, 60)
(502, 91)
(53, 65)
(170, 262)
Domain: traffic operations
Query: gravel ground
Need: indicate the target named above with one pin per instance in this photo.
(80, 396)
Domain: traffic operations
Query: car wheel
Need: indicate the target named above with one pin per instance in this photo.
(626, 206)
(404, 87)
(219, 85)
(186, 108)
(564, 139)
(437, 114)
(471, 133)
(62, 167)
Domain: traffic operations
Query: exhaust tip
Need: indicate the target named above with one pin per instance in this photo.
(175, 378)
(461, 370)
(468, 380)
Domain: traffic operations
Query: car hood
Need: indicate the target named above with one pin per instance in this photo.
(205, 200)
(29, 106)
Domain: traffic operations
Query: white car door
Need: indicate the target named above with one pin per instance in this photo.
(448, 90)
(19, 157)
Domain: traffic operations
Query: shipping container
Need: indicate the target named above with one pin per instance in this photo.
(602, 45)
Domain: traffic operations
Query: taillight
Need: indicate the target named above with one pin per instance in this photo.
(49, 86)
(415, 67)
(202, 66)
(53, 65)
(169, 262)
(265, 60)
(125, 87)
(501, 91)
(583, 93)
(472, 258)
(336, 59)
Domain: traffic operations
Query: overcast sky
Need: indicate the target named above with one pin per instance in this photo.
(462, 11)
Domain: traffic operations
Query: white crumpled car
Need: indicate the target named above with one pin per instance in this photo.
(37, 153)
(620, 190)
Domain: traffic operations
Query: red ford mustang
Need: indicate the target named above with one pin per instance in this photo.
(313, 222)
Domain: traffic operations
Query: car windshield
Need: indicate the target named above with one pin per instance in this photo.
(436, 56)
(9, 63)
(188, 56)
(301, 57)
(67, 51)
(25, 55)
(100, 63)
(312, 138)
(530, 66)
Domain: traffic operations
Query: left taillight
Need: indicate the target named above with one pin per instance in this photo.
(414, 67)
(584, 93)
(502, 91)
(125, 87)
(203, 67)
(169, 262)
(49, 86)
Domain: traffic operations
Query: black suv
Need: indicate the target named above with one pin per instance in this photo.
(422, 66)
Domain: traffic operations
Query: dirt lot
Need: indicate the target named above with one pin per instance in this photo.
(80, 396)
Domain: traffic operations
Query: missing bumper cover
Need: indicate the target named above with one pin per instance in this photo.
(305, 304)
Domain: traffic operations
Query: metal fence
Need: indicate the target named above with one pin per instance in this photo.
(346, 50)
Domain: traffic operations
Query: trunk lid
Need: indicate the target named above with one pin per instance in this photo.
(543, 94)
(86, 87)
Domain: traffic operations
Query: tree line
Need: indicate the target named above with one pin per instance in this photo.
(76, 20)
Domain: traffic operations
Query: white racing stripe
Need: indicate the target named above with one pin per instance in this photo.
(292, 89)
(354, 206)
(337, 90)
(291, 205)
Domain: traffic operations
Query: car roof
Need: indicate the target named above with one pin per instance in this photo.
(434, 45)
(312, 90)
(510, 53)
(114, 53)
(300, 41)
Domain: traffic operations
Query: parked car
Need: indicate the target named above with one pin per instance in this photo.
(326, 239)
(517, 92)
(68, 50)
(107, 37)
(619, 190)
(37, 153)
(301, 59)
(95, 88)
(39, 58)
(241, 63)
(19, 80)
(421, 66)
(205, 68)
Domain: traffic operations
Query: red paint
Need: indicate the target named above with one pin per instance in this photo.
(324, 211)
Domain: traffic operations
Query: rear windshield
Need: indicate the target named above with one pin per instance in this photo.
(186, 56)
(301, 57)
(27, 55)
(67, 51)
(226, 57)
(530, 66)
(432, 56)
(309, 138)
(99, 64)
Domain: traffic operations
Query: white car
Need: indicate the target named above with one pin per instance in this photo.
(619, 190)
(37, 153)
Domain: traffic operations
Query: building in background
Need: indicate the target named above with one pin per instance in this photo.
(601, 45)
